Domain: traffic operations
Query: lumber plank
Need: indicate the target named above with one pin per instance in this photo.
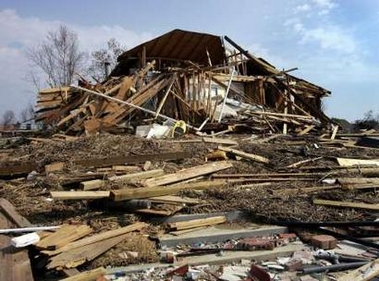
(97, 237)
(148, 192)
(243, 154)
(349, 162)
(196, 223)
(132, 159)
(64, 235)
(356, 205)
(334, 133)
(88, 275)
(306, 130)
(79, 195)
(188, 173)
(220, 141)
(14, 262)
(357, 181)
(175, 199)
(12, 213)
(79, 256)
(10, 169)
(137, 176)
(92, 184)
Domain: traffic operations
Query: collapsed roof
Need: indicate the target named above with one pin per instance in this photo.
(189, 76)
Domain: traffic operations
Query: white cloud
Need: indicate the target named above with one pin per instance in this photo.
(18, 33)
(303, 8)
(329, 37)
(325, 4)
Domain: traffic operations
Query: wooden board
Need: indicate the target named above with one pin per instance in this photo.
(14, 262)
(79, 195)
(89, 275)
(137, 176)
(188, 173)
(220, 141)
(196, 223)
(356, 205)
(7, 208)
(78, 256)
(92, 184)
(10, 169)
(133, 159)
(97, 237)
(54, 167)
(348, 162)
(250, 156)
(64, 235)
(147, 192)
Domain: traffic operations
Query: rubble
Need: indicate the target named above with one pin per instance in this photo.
(193, 161)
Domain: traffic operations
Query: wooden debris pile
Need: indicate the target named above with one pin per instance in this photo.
(205, 85)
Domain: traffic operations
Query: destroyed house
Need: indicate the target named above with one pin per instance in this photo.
(205, 80)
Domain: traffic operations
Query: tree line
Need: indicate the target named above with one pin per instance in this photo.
(58, 61)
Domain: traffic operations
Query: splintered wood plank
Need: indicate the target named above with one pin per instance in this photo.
(147, 192)
(349, 162)
(79, 195)
(306, 130)
(196, 223)
(97, 237)
(89, 275)
(133, 159)
(65, 234)
(364, 273)
(137, 176)
(243, 154)
(78, 256)
(188, 173)
(343, 204)
(175, 199)
(12, 213)
(14, 262)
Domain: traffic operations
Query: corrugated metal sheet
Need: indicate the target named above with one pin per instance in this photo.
(181, 45)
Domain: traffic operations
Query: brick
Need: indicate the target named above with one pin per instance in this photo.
(294, 265)
(324, 242)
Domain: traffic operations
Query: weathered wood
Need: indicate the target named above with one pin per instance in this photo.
(10, 169)
(133, 159)
(98, 237)
(92, 184)
(148, 192)
(334, 133)
(89, 275)
(12, 214)
(364, 273)
(137, 176)
(296, 164)
(196, 223)
(306, 130)
(357, 181)
(303, 190)
(220, 141)
(54, 167)
(79, 195)
(14, 262)
(356, 205)
(245, 155)
(78, 256)
(65, 235)
(175, 199)
(188, 173)
(349, 162)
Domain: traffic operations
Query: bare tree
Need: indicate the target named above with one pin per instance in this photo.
(8, 118)
(103, 57)
(27, 114)
(58, 57)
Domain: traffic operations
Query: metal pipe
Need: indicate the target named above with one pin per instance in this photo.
(226, 96)
(28, 229)
(334, 267)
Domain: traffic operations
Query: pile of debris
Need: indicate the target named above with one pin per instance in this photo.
(249, 182)
(190, 77)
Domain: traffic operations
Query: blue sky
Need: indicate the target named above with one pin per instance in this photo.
(333, 43)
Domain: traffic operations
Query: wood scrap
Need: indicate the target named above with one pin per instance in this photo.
(196, 223)
(245, 155)
(357, 205)
(79, 195)
(88, 275)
